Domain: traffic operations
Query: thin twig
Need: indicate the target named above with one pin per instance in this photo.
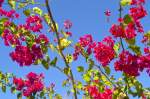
(120, 16)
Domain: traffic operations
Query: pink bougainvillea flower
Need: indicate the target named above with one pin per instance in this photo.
(104, 51)
(42, 39)
(133, 64)
(95, 94)
(32, 84)
(85, 42)
(34, 23)
(26, 56)
(67, 24)
(107, 13)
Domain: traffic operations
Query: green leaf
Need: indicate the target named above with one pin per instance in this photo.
(44, 48)
(90, 63)
(54, 61)
(64, 83)
(22, 5)
(131, 41)
(19, 96)
(67, 71)
(47, 18)
(69, 58)
(13, 89)
(135, 49)
(116, 47)
(4, 88)
(41, 94)
(86, 77)
(1, 30)
(64, 43)
(125, 2)
(80, 69)
(37, 61)
(127, 19)
(107, 70)
(32, 1)
(79, 85)
(3, 20)
(64, 34)
(37, 10)
(27, 12)
(1, 75)
(12, 3)
(57, 96)
(8, 75)
(45, 64)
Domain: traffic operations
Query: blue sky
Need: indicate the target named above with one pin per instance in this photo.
(87, 17)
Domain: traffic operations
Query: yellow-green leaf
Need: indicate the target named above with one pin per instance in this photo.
(64, 43)
(27, 12)
(69, 58)
(12, 3)
(37, 10)
(125, 2)
(80, 69)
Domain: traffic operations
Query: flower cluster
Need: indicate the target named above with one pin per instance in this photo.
(25, 55)
(42, 39)
(31, 85)
(132, 64)
(95, 94)
(137, 2)
(136, 13)
(34, 23)
(9, 38)
(127, 63)
(104, 51)
(85, 41)
(9, 14)
(123, 32)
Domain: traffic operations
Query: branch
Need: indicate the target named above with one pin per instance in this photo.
(100, 69)
(59, 45)
(120, 16)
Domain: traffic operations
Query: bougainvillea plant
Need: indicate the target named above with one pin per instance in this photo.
(31, 46)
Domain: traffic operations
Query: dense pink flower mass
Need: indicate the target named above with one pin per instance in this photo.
(95, 94)
(117, 31)
(127, 63)
(26, 56)
(32, 84)
(138, 12)
(104, 51)
(9, 38)
(34, 23)
(127, 32)
(132, 64)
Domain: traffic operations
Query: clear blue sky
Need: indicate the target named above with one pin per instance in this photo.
(87, 17)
